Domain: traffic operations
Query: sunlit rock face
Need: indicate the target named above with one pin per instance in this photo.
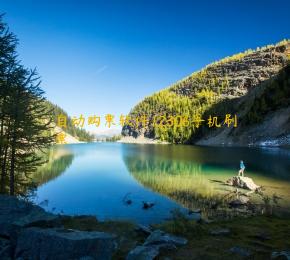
(243, 72)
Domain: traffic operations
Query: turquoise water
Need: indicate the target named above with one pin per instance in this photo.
(94, 178)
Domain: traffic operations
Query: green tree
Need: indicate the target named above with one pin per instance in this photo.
(25, 119)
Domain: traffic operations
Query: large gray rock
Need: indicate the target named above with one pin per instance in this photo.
(21, 213)
(160, 237)
(242, 182)
(36, 243)
(15, 215)
(157, 241)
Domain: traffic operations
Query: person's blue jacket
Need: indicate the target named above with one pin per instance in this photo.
(242, 166)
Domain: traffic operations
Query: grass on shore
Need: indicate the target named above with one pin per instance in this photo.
(260, 235)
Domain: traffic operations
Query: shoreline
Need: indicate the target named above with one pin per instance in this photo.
(27, 230)
(140, 140)
(261, 144)
(145, 140)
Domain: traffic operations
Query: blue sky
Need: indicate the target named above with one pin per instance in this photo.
(99, 57)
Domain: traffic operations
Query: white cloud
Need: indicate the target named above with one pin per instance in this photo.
(101, 69)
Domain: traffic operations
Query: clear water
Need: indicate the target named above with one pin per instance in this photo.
(94, 178)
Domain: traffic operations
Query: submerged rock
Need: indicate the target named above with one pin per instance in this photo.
(147, 205)
(242, 182)
(38, 243)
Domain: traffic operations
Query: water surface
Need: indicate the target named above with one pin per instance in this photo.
(94, 178)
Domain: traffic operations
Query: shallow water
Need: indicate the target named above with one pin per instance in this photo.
(94, 178)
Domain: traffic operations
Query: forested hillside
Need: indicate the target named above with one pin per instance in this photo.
(78, 133)
(218, 89)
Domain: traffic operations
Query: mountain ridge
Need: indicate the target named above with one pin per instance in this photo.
(217, 84)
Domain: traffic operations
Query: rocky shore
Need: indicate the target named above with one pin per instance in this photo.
(29, 232)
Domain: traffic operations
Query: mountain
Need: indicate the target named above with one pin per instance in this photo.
(73, 134)
(112, 134)
(252, 87)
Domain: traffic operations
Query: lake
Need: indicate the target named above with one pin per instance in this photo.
(98, 178)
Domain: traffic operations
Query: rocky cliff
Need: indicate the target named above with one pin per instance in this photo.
(254, 85)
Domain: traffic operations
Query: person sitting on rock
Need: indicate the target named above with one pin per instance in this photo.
(242, 168)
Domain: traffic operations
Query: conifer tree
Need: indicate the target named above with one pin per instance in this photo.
(25, 120)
